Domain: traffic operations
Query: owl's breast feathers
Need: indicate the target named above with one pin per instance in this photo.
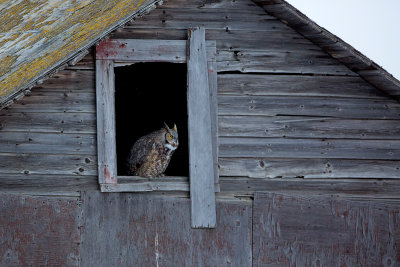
(149, 157)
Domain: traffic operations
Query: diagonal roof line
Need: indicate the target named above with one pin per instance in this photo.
(74, 57)
(333, 45)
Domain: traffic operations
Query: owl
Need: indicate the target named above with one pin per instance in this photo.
(151, 154)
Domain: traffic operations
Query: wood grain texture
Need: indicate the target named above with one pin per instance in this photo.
(309, 168)
(39, 231)
(211, 19)
(213, 87)
(368, 189)
(141, 184)
(295, 230)
(201, 165)
(138, 50)
(156, 230)
(48, 122)
(268, 39)
(308, 127)
(56, 102)
(297, 85)
(107, 161)
(68, 81)
(48, 184)
(333, 45)
(308, 106)
(280, 62)
(47, 143)
(206, 4)
(309, 148)
(52, 164)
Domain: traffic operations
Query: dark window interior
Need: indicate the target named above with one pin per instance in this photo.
(146, 96)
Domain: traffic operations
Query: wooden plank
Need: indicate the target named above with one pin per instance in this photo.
(309, 148)
(327, 231)
(284, 40)
(67, 81)
(297, 85)
(369, 189)
(308, 127)
(39, 231)
(192, 14)
(309, 168)
(48, 184)
(137, 50)
(308, 106)
(140, 184)
(87, 63)
(47, 122)
(212, 5)
(155, 230)
(199, 132)
(55, 164)
(47, 143)
(280, 62)
(106, 146)
(212, 85)
(179, 19)
(55, 102)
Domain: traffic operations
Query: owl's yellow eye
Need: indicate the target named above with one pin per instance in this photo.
(169, 136)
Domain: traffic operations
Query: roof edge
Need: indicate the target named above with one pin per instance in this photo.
(75, 57)
(333, 45)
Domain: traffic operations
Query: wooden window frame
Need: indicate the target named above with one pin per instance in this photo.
(200, 56)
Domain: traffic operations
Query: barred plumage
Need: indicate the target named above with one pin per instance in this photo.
(151, 154)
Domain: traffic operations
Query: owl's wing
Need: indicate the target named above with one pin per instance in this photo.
(141, 150)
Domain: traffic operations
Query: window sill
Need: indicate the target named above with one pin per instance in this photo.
(142, 184)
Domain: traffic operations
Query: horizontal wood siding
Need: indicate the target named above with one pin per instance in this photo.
(48, 138)
(286, 109)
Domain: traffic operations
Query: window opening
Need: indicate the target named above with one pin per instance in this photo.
(146, 96)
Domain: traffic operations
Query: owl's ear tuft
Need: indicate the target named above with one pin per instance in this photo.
(175, 128)
(166, 127)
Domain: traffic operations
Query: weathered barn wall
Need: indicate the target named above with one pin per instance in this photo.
(39, 230)
(286, 109)
(319, 231)
(147, 230)
(291, 119)
(48, 138)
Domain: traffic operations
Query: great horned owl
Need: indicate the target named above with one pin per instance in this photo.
(151, 154)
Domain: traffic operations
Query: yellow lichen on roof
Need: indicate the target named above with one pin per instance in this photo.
(36, 36)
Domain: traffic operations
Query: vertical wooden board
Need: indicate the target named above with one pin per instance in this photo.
(146, 230)
(39, 231)
(321, 231)
(212, 84)
(200, 139)
(106, 146)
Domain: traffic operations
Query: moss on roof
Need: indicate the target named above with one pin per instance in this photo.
(37, 36)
